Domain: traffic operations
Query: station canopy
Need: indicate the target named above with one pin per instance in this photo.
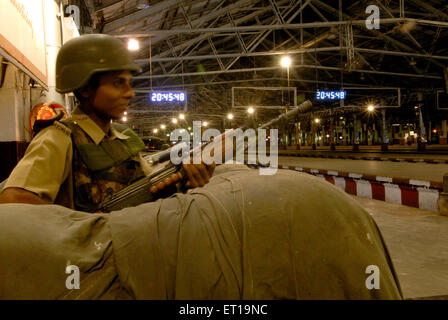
(206, 47)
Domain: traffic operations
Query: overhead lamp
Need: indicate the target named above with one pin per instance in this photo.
(205, 123)
(317, 120)
(230, 116)
(162, 126)
(174, 120)
(285, 62)
(125, 113)
(155, 130)
(124, 118)
(370, 108)
(250, 110)
(133, 45)
(182, 116)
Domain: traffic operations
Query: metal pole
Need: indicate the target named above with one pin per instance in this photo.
(443, 198)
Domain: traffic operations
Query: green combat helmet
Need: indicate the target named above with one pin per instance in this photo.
(81, 57)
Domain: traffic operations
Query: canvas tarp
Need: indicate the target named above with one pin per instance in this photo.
(242, 236)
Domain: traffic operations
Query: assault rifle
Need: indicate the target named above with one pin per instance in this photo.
(138, 192)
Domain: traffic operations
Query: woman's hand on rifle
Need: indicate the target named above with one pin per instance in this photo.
(198, 175)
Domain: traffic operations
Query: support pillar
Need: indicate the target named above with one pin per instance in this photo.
(384, 142)
(313, 133)
(443, 199)
(332, 144)
(443, 133)
(355, 134)
(297, 127)
(401, 135)
(421, 143)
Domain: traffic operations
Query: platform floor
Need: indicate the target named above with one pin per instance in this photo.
(418, 171)
(418, 244)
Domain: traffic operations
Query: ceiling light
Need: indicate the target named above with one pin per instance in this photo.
(174, 120)
(250, 110)
(133, 45)
(155, 130)
(370, 108)
(162, 126)
(205, 123)
(285, 62)
(182, 116)
(230, 116)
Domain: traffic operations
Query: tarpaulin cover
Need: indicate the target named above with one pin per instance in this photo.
(242, 236)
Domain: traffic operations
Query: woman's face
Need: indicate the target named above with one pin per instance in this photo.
(114, 92)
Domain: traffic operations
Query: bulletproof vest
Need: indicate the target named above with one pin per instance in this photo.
(100, 170)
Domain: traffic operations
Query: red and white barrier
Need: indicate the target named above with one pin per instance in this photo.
(414, 193)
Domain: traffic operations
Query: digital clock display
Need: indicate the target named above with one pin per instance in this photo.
(168, 96)
(331, 95)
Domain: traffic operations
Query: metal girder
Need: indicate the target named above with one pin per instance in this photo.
(291, 67)
(262, 36)
(433, 44)
(295, 26)
(400, 53)
(286, 52)
(394, 42)
(318, 12)
(430, 8)
(238, 34)
(104, 6)
(141, 14)
(189, 43)
(203, 37)
(145, 90)
(306, 25)
(215, 52)
(186, 17)
(407, 33)
(161, 35)
(276, 11)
